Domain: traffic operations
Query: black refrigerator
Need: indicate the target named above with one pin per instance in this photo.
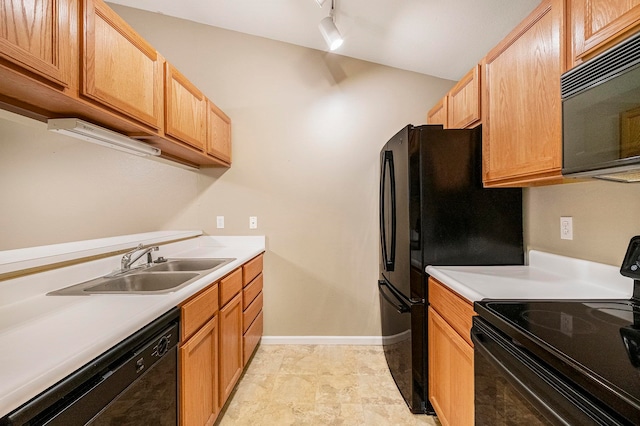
(434, 211)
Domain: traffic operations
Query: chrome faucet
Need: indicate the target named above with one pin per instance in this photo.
(128, 259)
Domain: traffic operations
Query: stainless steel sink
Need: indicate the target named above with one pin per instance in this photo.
(162, 278)
(189, 264)
(141, 283)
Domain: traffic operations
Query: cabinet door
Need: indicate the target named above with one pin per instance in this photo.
(199, 377)
(230, 346)
(521, 123)
(218, 133)
(463, 104)
(185, 109)
(598, 24)
(121, 70)
(450, 373)
(438, 114)
(34, 34)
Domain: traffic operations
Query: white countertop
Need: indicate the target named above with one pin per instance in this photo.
(45, 338)
(548, 276)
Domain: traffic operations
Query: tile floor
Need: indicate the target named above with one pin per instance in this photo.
(319, 385)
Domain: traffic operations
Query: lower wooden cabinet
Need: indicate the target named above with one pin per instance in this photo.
(199, 396)
(216, 344)
(231, 364)
(451, 390)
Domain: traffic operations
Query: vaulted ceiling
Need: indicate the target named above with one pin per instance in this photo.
(443, 38)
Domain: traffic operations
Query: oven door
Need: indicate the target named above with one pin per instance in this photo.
(514, 388)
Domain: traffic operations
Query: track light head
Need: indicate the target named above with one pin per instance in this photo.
(330, 33)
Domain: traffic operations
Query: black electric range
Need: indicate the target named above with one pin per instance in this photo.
(560, 361)
(594, 344)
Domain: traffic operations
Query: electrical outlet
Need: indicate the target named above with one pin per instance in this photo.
(253, 222)
(219, 222)
(566, 228)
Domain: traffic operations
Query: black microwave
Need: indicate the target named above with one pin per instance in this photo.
(601, 115)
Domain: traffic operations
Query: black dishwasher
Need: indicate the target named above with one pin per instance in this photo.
(133, 383)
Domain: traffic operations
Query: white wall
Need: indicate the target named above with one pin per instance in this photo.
(307, 130)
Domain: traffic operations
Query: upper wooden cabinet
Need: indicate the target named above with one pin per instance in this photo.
(463, 104)
(185, 109)
(521, 108)
(460, 108)
(78, 58)
(34, 35)
(597, 25)
(218, 133)
(438, 114)
(120, 69)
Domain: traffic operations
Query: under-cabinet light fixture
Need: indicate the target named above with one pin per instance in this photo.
(89, 132)
(329, 30)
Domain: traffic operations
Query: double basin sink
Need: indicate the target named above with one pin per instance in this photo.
(160, 278)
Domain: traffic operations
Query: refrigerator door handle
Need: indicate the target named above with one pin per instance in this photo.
(388, 258)
(401, 307)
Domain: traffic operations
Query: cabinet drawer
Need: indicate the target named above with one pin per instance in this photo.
(230, 286)
(252, 337)
(453, 308)
(197, 310)
(252, 312)
(251, 291)
(251, 269)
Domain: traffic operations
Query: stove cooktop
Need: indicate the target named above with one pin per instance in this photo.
(596, 344)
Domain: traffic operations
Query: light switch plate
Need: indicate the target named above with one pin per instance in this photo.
(253, 222)
(219, 222)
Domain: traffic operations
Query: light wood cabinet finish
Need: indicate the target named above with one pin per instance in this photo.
(252, 311)
(230, 286)
(78, 58)
(199, 400)
(35, 36)
(251, 291)
(121, 70)
(218, 133)
(451, 388)
(185, 109)
(463, 103)
(597, 25)
(198, 310)
(252, 337)
(251, 269)
(521, 108)
(438, 114)
(453, 308)
(231, 353)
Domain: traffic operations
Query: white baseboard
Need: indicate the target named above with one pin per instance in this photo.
(321, 340)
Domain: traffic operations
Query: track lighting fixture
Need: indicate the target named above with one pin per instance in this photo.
(328, 28)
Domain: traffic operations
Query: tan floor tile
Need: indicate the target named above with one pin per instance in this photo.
(336, 360)
(382, 414)
(378, 390)
(299, 363)
(338, 389)
(255, 388)
(297, 388)
(319, 385)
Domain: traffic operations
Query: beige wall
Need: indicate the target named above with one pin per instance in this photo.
(307, 130)
(605, 217)
(56, 189)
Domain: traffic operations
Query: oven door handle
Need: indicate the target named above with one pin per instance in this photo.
(536, 383)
